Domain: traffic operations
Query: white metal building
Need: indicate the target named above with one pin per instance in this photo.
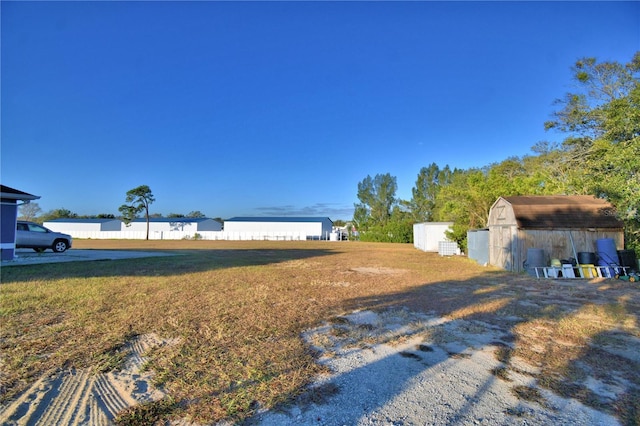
(71, 226)
(159, 228)
(428, 235)
(278, 228)
(182, 224)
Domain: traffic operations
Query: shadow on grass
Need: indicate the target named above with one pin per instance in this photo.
(543, 322)
(184, 262)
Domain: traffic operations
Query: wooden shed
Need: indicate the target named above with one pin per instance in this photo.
(517, 224)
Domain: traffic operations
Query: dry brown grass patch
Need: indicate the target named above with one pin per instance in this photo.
(530, 394)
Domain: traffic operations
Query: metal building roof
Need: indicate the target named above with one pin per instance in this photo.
(278, 219)
(171, 219)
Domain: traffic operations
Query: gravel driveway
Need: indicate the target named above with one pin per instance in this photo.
(447, 379)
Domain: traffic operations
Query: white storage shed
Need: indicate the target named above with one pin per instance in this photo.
(286, 228)
(428, 235)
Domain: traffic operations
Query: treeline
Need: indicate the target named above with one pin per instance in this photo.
(33, 212)
(599, 156)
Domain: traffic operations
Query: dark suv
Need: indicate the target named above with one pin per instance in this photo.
(39, 238)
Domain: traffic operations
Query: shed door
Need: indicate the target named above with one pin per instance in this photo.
(501, 247)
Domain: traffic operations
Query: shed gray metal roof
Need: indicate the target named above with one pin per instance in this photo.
(563, 211)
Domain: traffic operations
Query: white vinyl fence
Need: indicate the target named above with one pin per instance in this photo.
(181, 235)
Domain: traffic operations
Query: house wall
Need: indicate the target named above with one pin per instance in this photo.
(8, 218)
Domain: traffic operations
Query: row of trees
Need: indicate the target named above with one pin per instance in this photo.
(33, 212)
(600, 155)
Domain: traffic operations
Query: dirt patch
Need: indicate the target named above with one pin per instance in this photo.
(81, 397)
(378, 271)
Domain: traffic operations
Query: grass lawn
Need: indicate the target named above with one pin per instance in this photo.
(236, 310)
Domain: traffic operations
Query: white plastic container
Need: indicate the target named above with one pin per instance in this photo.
(567, 270)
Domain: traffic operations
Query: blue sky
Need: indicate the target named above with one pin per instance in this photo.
(280, 108)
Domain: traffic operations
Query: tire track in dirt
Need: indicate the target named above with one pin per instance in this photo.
(80, 397)
(63, 407)
(97, 417)
(109, 399)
